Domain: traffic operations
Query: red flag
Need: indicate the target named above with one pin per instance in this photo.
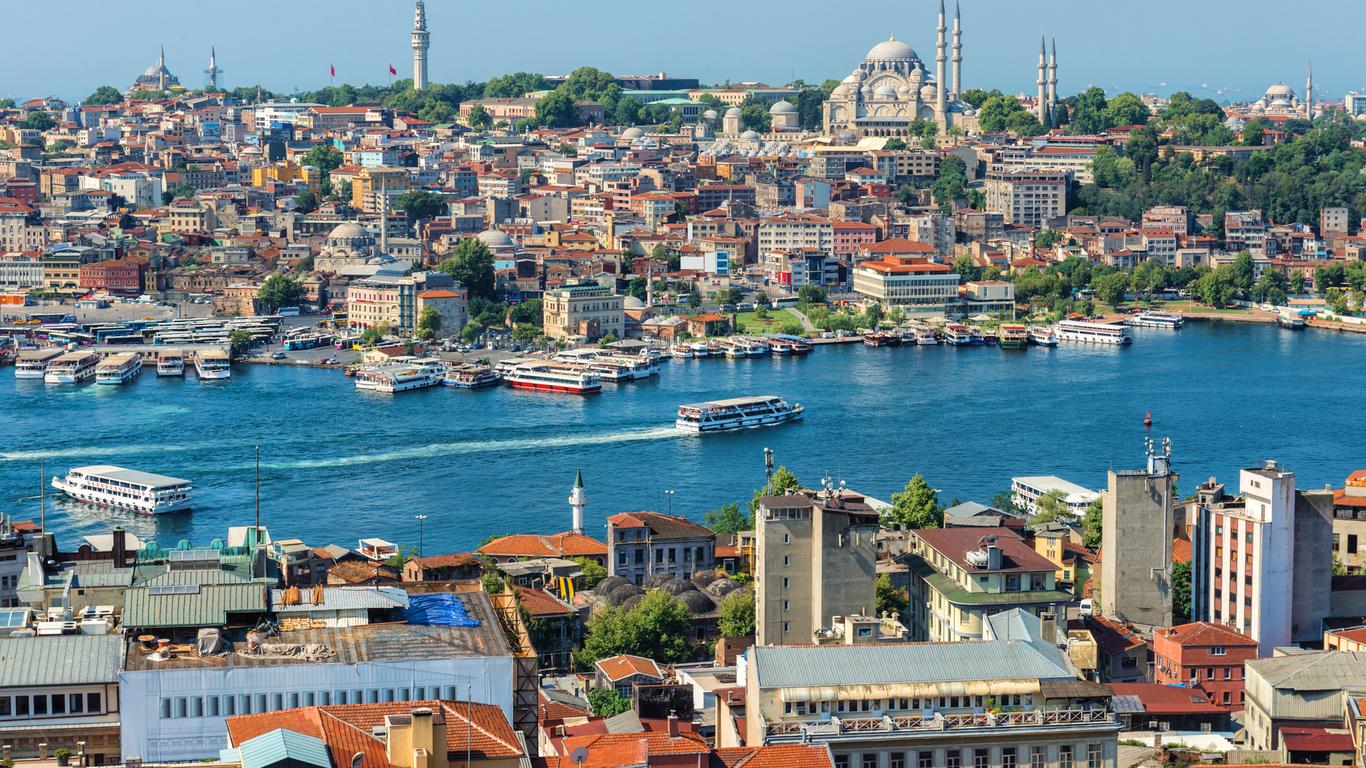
(334, 70)
(392, 71)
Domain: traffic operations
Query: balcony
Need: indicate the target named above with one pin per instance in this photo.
(909, 726)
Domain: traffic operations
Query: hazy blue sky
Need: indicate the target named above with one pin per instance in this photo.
(1238, 45)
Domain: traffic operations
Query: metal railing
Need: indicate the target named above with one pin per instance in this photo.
(836, 726)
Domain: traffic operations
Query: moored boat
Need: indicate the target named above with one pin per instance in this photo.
(71, 368)
(1086, 332)
(1156, 320)
(551, 376)
(171, 363)
(212, 364)
(469, 376)
(402, 374)
(957, 335)
(1288, 322)
(33, 363)
(1043, 336)
(120, 368)
(129, 489)
(736, 413)
(1012, 336)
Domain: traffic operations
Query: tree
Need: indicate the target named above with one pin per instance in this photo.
(37, 121)
(1091, 524)
(428, 323)
(281, 291)
(1181, 592)
(306, 201)
(1243, 270)
(1049, 508)
(781, 483)
(1089, 114)
(529, 312)
(1126, 109)
(893, 145)
(999, 111)
(1271, 287)
(324, 157)
(811, 294)
(728, 519)
(592, 571)
(606, 702)
(515, 85)
(479, 118)
(472, 265)
(737, 614)
(1111, 288)
(557, 109)
(916, 506)
(105, 94)
(239, 342)
(951, 184)
(889, 599)
(658, 627)
(754, 115)
(1297, 283)
(420, 204)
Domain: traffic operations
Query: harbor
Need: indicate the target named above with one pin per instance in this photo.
(337, 462)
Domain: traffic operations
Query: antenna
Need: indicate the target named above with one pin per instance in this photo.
(42, 495)
(768, 462)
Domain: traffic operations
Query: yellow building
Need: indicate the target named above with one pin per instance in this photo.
(590, 311)
(371, 183)
(287, 172)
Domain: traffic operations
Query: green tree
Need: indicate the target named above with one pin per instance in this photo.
(754, 115)
(529, 312)
(428, 323)
(1297, 283)
(281, 291)
(737, 614)
(658, 627)
(1091, 524)
(515, 85)
(782, 483)
(472, 265)
(1181, 592)
(592, 571)
(893, 145)
(1243, 270)
(889, 599)
(1089, 114)
(1111, 288)
(951, 184)
(306, 201)
(977, 97)
(1271, 287)
(811, 294)
(999, 112)
(420, 204)
(557, 110)
(239, 343)
(37, 121)
(606, 702)
(105, 94)
(1126, 109)
(728, 519)
(479, 118)
(1049, 508)
(324, 157)
(916, 506)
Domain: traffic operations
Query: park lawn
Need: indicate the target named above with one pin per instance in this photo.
(1193, 307)
(749, 322)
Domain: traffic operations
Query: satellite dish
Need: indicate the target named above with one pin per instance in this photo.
(579, 756)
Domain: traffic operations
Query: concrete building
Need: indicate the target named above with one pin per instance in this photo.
(1206, 657)
(960, 576)
(916, 286)
(588, 311)
(122, 275)
(1136, 536)
(1349, 521)
(1012, 700)
(391, 298)
(1027, 197)
(1301, 689)
(1026, 490)
(642, 544)
(57, 691)
(450, 305)
(796, 231)
(20, 272)
(815, 559)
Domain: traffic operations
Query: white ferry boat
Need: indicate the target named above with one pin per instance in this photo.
(403, 375)
(1156, 320)
(469, 376)
(924, 336)
(684, 352)
(1086, 332)
(33, 363)
(736, 413)
(957, 335)
(72, 368)
(213, 364)
(120, 368)
(550, 376)
(1043, 336)
(746, 346)
(140, 492)
(171, 364)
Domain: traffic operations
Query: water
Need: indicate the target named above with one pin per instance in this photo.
(338, 464)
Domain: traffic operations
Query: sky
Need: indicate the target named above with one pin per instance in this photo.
(1230, 50)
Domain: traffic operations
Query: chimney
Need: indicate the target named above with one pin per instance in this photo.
(1048, 627)
(398, 747)
(993, 557)
(120, 548)
(673, 724)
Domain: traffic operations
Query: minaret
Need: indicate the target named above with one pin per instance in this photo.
(1041, 104)
(1309, 93)
(161, 70)
(421, 41)
(1053, 84)
(941, 56)
(577, 501)
(957, 52)
(212, 71)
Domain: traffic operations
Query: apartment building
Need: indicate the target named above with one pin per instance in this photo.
(1349, 520)
(642, 544)
(586, 310)
(796, 231)
(815, 558)
(20, 272)
(1026, 197)
(1206, 657)
(917, 286)
(372, 186)
(960, 576)
(1010, 701)
(1246, 231)
(56, 691)
(1137, 527)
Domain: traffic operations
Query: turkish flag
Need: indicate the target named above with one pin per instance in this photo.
(392, 71)
(334, 70)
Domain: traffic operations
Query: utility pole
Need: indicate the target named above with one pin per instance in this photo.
(420, 519)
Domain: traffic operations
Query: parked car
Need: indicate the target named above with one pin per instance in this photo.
(277, 356)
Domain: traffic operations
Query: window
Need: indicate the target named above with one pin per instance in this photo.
(1065, 756)
(981, 758)
(924, 759)
(1228, 699)
(75, 704)
(953, 760)
(896, 760)
(1351, 543)
(841, 761)
(1217, 650)
(869, 760)
(1008, 757)
(59, 704)
(40, 705)
(1095, 755)
(1228, 673)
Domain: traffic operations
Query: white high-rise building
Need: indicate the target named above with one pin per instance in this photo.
(421, 42)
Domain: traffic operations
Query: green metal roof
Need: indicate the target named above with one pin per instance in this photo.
(279, 746)
(60, 660)
(190, 605)
(955, 594)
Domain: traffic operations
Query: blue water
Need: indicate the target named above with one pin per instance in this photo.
(338, 464)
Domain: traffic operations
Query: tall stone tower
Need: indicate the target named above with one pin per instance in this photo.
(578, 499)
(1137, 525)
(957, 52)
(162, 82)
(1041, 102)
(421, 42)
(212, 72)
(1309, 94)
(941, 56)
(1052, 84)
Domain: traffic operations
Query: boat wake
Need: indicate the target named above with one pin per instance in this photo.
(474, 447)
(95, 451)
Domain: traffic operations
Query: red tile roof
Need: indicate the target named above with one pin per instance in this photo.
(899, 246)
(611, 750)
(1316, 740)
(554, 709)
(1203, 633)
(623, 666)
(452, 560)
(567, 544)
(1167, 699)
(955, 543)
(775, 756)
(538, 602)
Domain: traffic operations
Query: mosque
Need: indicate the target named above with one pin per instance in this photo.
(1280, 101)
(157, 77)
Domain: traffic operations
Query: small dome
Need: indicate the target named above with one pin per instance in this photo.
(619, 594)
(1279, 90)
(866, 92)
(631, 602)
(928, 93)
(697, 602)
(704, 577)
(677, 587)
(847, 137)
(781, 107)
(885, 91)
(890, 50)
(721, 587)
(733, 112)
(634, 132)
(656, 580)
(609, 583)
(709, 115)
(494, 239)
(750, 136)
(631, 302)
(903, 91)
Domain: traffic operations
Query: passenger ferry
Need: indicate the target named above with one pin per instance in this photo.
(1288, 322)
(924, 336)
(745, 346)
(140, 492)
(736, 413)
(1013, 336)
(1086, 332)
(1156, 320)
(550, 376)
(33, 363)
(684, 352)
(71, 368)
(957, 335)
(975, 336)
(212, 364)
(882, 339)
(402, 374)
(612, 367)
(118, 369)
(1043, 336)
(783, 344)
(171, 364)
(469, 376)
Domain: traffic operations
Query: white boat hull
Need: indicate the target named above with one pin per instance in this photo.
(99, 499)
(734, 425)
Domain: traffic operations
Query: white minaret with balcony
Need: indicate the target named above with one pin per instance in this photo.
(421, 42)
(578, 499)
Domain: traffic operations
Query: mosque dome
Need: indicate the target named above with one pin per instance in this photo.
(927, 93)
(634, 132)
(733, 112)
(891, 50)
(709, 115)
(496, 239)
(885, 91)
(349, 232)
(781, 107)
(1279, 91)
(750, 136)
(631, 302)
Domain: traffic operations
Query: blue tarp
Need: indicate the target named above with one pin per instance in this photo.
(441, 609)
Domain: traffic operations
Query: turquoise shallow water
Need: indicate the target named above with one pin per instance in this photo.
(339, 464)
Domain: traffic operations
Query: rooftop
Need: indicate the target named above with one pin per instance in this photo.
(60, 660)
(898, 663)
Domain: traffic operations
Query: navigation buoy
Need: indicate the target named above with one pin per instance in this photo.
(1148, 419)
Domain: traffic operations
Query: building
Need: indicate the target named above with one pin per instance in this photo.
(60, 691)
(157, 77)
(960, 576)
(587, 311)
(916, 286)
(121, 275)
(1349, 521)
(988, 297)
(391, 298)
(623, 673)
(1027, 197)
(642, 544)
(421, 42)
(795, 232)
(1259, 563)
(815, 559)
(1298, 690)
(1026, 490)
(21, 272)
(1012, 700)
(1136, 542)
(1206, 657)
(450, 305)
